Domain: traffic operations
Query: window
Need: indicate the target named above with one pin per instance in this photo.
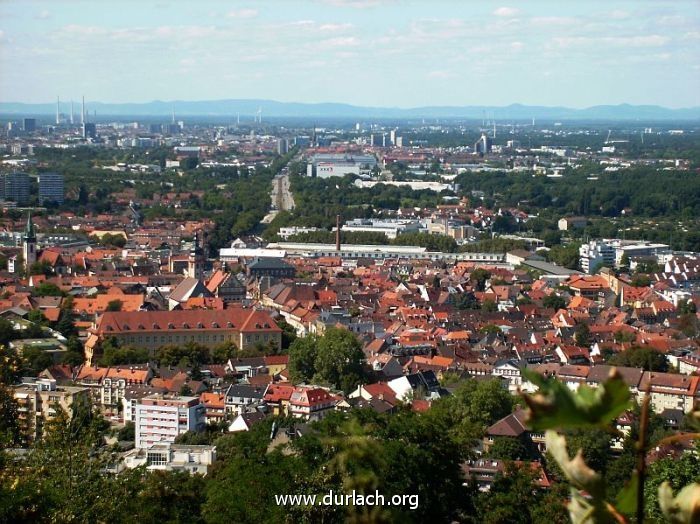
(156, 459)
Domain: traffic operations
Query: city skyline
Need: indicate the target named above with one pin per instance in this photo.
(359, 52)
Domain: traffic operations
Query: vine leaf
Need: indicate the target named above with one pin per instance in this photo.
(556, 406)
(684, 508)
(589, 509)
(627, 497)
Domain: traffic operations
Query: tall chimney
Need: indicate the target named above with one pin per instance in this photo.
(71, 113)
(58, 114)
(337, 233)
(82, 113)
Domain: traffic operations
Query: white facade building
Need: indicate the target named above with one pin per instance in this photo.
(595, 253)
(167, 457)
(160, 418)
(390, 227)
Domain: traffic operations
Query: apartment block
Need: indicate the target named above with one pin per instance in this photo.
(161, 418)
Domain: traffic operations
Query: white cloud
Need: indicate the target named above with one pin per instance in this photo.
(619, 41)
(349, 41)
(516, 46)
(335, 27)
(43, 15)
(355, 4)
(440, 74)
(554, 21)
(242, 13)
(506, 11)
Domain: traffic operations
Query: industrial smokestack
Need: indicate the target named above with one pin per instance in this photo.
(58, 114)
(71, 113)
(82, 112)
(337, 233)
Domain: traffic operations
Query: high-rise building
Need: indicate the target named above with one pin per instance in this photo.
(483, 145)
(51, 188)
(378, 139)
(15, 187)
(161, 418)
(29, 125)
(282, 146)
(89, 130)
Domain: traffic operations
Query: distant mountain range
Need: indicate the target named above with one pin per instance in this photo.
(271, 108)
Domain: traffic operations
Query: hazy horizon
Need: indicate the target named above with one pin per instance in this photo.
(372, 53)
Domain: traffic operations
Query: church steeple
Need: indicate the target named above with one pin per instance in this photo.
(29, 244)
(195, 261)
(29, 229)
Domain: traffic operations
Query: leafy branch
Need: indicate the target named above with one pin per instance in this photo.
(555, 407)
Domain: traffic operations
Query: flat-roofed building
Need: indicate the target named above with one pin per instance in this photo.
(51, 188)
(161, 418)
(39, 400)
(172, 457)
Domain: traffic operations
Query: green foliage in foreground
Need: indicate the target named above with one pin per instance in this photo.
(402, 453)
(555, 407)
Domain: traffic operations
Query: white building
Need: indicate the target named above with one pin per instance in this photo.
(641, 249)
(390, 227)
(331, 169)
(595, 253)
(286, 232)
(161, 418)
(172, 457)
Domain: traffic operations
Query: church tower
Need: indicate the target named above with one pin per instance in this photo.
(29, 244)
(195, 261)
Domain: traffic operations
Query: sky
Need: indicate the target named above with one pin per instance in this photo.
(391, 53)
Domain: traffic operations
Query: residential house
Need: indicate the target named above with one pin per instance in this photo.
(238, 397)
(311, 403)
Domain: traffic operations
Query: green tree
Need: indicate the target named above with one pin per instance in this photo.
(339, 359)
(10, 430)
(66, 324)
(302, 358)
(41, 268)
(679, 471)
(36, 359)
(582, 335)
(624, 262)
(11, 365)
(511, 497)
(489, 306)
(36, 316)
(114, 305)
(172, 496)
(595, 444)
(640, 357)
(223, 352)
(554, 301)
(127, 433)
(8, 332)
(289, 334)
(479, 277)
(639, 280)
(566, 256)
(47, 289)
(508, 448)
(687, 307)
